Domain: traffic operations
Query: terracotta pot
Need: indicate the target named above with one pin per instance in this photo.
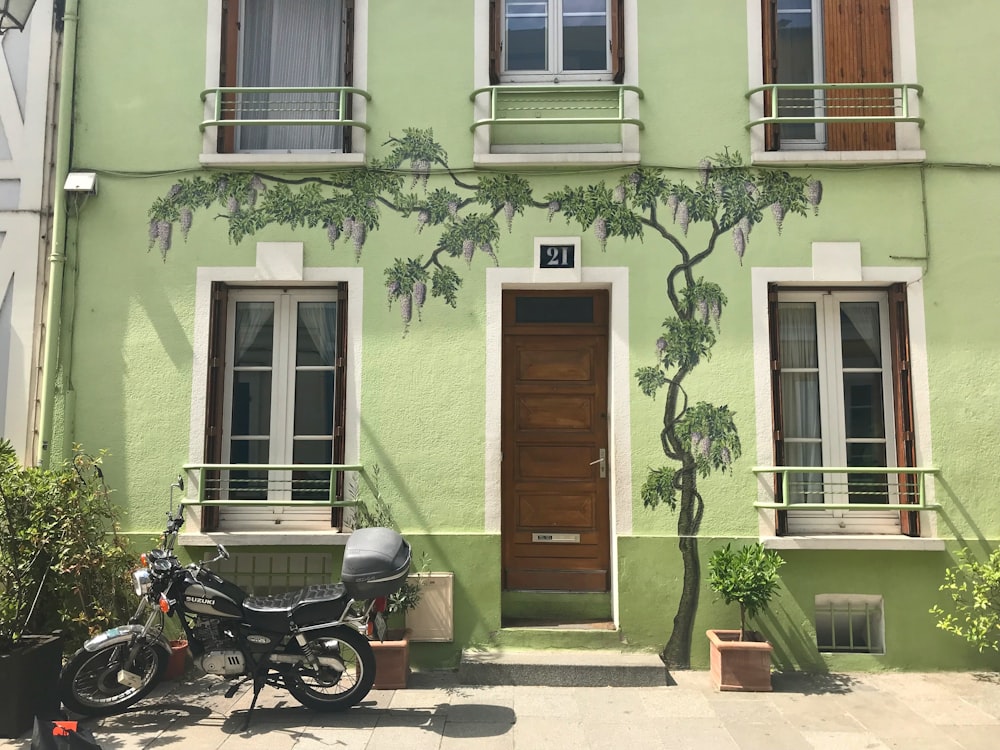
(392, 661)
(177, 662)
(739, 665)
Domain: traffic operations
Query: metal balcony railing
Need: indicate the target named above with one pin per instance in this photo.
(272, 485)
(287, 105)
(557, 105)
(788, 103)
(862, 488)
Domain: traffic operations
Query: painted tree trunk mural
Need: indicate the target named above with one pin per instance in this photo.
(726, 200)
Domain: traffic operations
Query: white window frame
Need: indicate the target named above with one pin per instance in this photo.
(819, 76)
(281, 439)
(833, 420)
(904, 67)
(277, 263)
(210, 155)
(554, 48)
(838, 264)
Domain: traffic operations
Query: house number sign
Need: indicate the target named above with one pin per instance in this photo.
(557, 256)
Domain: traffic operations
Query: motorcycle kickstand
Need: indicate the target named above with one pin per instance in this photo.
(259, 680)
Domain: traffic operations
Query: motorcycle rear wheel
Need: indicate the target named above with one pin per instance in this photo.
(327, 688)
(89, 682)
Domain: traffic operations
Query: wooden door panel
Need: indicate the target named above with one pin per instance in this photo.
(561, 511)
(550, 363)
(540, 411)
(554, 462)
(555, 517)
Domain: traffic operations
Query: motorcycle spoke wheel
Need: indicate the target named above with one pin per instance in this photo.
(89, 682)
(328, 688)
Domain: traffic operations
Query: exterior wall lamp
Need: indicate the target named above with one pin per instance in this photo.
(14, 14)
(81, 182)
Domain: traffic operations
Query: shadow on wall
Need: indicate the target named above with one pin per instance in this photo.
(950, 512)
(794, 647)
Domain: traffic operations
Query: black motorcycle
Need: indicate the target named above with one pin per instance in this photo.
(313, 642)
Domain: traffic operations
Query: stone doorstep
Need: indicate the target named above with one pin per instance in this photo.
(562, 668)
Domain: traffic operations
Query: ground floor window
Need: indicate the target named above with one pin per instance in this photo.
(841, 399)
(276, 397)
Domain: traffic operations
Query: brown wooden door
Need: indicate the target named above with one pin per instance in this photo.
(556, 519)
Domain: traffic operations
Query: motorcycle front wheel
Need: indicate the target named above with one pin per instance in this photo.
(328, 687)
(89, 682)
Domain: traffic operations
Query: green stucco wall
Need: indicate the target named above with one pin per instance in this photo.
(125, 379)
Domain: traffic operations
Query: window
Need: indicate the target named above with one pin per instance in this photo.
(276, 396)
(841, 397)
(830, 41)
(556, 40)
(284, 43)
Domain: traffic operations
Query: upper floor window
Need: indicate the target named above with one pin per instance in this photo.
(837, 42)
(547, 41)
(268, 45)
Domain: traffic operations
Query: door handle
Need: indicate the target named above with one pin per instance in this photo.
(603, 461)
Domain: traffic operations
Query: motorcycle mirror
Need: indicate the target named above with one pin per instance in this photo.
(222, 552)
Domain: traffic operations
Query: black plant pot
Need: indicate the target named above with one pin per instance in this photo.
(28, 686)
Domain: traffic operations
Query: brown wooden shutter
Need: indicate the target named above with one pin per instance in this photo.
(769, 36)
(780, 516)
(618, 40)
(227, 70)
(857, 47)
(902, 389)
(340, 398)
(215, 390)
(496, 42)
(348, 69)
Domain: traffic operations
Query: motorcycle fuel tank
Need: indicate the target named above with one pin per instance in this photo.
(206, 600)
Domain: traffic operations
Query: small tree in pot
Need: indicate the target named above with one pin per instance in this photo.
(740, 659)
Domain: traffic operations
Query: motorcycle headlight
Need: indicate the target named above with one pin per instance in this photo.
(140, 582)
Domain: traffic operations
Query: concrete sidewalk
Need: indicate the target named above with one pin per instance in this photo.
(937, 711)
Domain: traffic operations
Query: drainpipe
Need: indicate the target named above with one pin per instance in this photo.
(57, 259)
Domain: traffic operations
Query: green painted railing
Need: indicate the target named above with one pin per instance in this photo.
(846, 109)
(223, 485)
(827, 487)
(231, 106)
(555, 105)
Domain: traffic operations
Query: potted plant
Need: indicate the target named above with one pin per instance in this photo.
(741, 659)
(60, 570)
(392, 655)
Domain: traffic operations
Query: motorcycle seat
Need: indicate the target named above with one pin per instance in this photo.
(307, 606)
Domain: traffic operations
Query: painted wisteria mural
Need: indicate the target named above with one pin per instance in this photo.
(715, 208)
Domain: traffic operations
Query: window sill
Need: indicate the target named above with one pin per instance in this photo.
(264, 538)
(858, 542)
(837, 157)
(287, 161)
(556, 159)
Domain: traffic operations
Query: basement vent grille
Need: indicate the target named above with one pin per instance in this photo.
(848, 623)
(261, 574)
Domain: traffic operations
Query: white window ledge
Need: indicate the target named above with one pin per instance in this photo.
(858, 542)
(264, 538)
(837, 157)
(552, 159)
(287, 161)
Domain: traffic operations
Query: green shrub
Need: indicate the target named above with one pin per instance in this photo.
(63, 565)
(974, 588)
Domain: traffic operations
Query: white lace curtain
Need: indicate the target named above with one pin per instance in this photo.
(290, 43)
